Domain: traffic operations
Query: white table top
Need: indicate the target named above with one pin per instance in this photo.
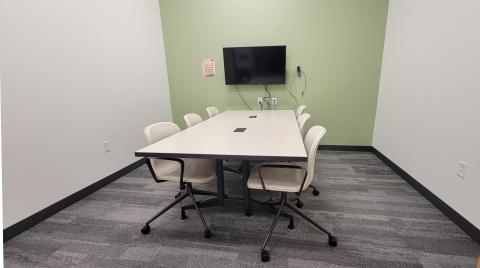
(272, 136)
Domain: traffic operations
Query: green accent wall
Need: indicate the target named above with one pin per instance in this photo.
(338, 43)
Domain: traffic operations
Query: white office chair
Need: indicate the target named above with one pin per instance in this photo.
(212, 111)
(302, 120)
(185, 171)
(192, 119)
(300, 110)
(289, 178)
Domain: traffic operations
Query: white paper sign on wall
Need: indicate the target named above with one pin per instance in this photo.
(208, 66)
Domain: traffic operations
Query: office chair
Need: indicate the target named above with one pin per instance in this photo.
(212, 111)
(300, 110)
(192, 119)
(185, 171)
(302, 120)
(289, 178)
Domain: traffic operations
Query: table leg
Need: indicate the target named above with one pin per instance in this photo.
(246, 191)
(220, 182)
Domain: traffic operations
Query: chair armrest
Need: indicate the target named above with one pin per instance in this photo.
(286, 166)
(150, 167)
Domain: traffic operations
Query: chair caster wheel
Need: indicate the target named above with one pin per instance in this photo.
(146, 229)
(265, 255)
(183, 216)
(315, 192)
(248, 213)
(207, 234)
(299, 204)
(332, 241)
(291, 225)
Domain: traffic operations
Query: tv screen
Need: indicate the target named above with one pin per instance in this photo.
(254, 65)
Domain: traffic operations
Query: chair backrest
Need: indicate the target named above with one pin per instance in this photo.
(302, 120)
(212, 111)
(300, 110)
(312, 139)
(192, 119)
(157, 132)
(160, 131)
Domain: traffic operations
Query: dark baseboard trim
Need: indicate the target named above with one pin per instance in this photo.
(357, 148)
(38, 217)
(458, 219)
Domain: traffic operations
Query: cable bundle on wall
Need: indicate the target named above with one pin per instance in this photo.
(297, 74)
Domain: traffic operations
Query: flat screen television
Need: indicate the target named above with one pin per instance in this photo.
(254, 65)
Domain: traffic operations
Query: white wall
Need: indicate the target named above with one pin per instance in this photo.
(428, 113)
(74, 73)
(1, 179)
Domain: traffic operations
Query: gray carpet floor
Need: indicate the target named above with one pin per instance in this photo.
(380, 221)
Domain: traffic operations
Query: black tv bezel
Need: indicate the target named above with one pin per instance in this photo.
(253, 84)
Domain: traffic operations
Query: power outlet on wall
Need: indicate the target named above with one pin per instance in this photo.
(462, 167)
(274, 101)
(259, 100)
(106, 146)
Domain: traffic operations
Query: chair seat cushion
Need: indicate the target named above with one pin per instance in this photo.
(196, 170)
(277, 179)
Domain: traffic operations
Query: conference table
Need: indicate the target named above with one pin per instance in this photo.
(252, 135)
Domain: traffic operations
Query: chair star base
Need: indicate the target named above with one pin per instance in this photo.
(187, 192)
(284, 201)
